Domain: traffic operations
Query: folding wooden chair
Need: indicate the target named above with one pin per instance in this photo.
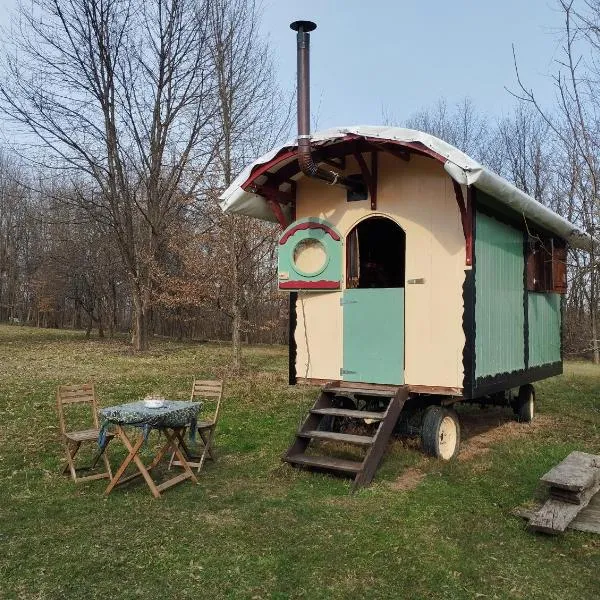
(72, 440)
(204, 390)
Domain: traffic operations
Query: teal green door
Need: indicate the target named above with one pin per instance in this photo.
(373, 335)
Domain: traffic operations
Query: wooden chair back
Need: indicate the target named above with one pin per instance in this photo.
(69, 395)
(205, 388)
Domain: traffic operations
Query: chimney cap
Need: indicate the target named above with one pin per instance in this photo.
(305, 26)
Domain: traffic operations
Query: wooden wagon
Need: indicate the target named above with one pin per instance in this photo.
(417, 279)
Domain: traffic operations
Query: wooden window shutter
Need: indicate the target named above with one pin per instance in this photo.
(546, 266)
(559, 269)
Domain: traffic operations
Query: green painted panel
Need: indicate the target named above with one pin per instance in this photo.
(544, 328)
(374, 335)
(499, 313)
(328, 276)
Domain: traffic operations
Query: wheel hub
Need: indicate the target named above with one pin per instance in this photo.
(447, 438)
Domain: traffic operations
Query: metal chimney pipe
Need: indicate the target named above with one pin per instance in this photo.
(305, 159)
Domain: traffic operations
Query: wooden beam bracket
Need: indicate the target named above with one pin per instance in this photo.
(275, 197)
(370, 176)
(466, 218)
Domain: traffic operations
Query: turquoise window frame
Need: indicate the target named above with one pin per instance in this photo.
(329, 276)
(306, 273)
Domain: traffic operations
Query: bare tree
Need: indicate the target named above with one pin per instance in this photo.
(575, 128)
(119, 94)
(249, 120)
(523, 154)
(462, 126)
(14, 242)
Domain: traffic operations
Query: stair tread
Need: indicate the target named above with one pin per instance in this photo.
(363, 440)
(357, 390)
(325, 462)
(346, 412)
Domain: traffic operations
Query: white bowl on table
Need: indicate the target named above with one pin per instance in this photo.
(154, 402)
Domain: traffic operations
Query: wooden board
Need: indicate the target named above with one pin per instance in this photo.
(565, 496)
(578, 472)
(348, 413)
(588, 519)
(324, 462)
(361, 440)
(555, 515)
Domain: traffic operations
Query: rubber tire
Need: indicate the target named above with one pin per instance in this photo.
(430, 430)
(525, 405)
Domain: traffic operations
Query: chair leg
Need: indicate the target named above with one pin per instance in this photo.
(106, 462)
(70, 456)
(207, 451)
(206, 440)
(181, 445)
(171, 460)
(207, 448)
(71, 451)
(103, 454)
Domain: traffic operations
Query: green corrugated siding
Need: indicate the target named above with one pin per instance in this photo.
(499, 314)
(544, 329)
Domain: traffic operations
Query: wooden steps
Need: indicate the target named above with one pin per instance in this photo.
(348, 438)
(348, 413)
(325, 462)
(318, 423)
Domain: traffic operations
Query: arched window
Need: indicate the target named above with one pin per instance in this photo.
(375, 254)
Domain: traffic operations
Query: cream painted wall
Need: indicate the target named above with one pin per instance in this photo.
(419, 196)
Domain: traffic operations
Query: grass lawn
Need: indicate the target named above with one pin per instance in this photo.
(255, 528)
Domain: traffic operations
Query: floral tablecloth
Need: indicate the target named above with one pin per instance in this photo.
(174, 413)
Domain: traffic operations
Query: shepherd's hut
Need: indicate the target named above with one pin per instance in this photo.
(418, 279)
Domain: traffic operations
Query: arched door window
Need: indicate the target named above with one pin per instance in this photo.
(375, 254)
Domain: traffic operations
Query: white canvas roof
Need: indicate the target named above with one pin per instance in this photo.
(463, 169)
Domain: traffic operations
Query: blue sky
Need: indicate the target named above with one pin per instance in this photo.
(403, 55)
(399, 56)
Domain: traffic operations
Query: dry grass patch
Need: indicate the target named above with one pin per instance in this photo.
(481, 430)
(408, 481)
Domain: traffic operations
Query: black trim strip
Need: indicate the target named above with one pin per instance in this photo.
(469, 304)
(506, 381)
(292, 349)
(525, 304)
(469, 331)
(563, 302)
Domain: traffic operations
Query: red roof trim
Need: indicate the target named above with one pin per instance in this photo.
(262, 169)
(309, 285)
(292, 153)
(308, 225)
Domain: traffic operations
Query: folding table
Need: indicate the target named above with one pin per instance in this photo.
(172, 419)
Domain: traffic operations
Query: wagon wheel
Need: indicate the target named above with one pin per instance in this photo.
(524, 407)
(440, 432)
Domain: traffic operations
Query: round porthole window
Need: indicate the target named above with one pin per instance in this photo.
(310, 257)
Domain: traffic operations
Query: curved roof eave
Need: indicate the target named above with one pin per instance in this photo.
(460, 167)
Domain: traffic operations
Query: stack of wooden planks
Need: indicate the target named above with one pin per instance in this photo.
(572, 485)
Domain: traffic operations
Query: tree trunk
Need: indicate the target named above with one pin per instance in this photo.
(236, 310)
(140, 330)
(594, 310)
(236, 337)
